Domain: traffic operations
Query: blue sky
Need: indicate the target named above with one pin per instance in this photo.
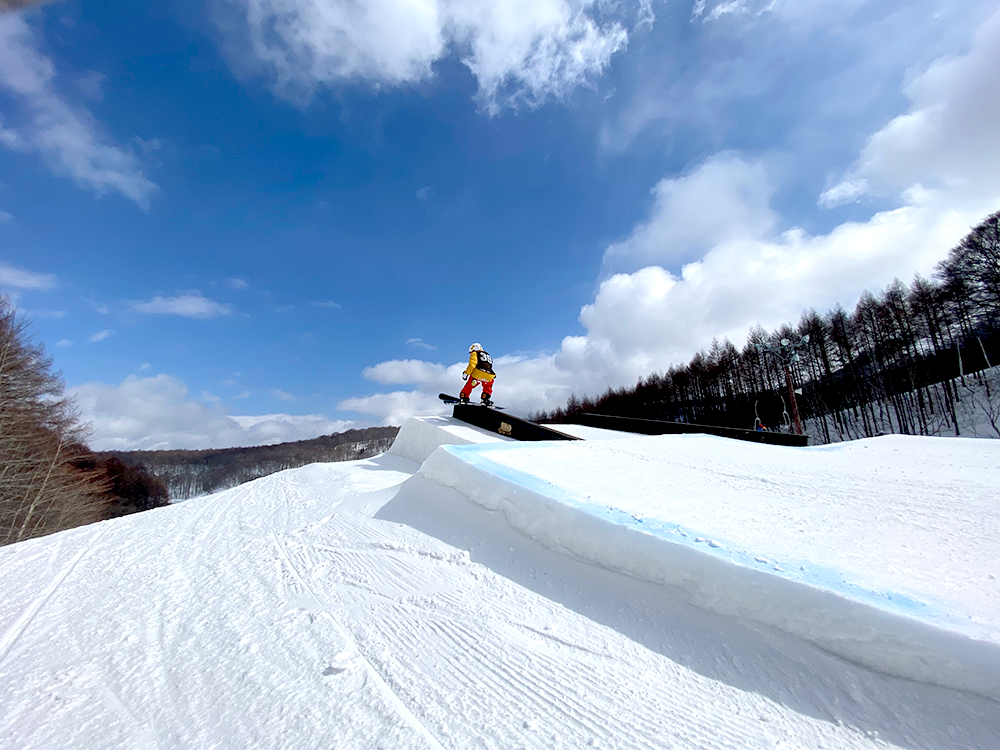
(241, 221)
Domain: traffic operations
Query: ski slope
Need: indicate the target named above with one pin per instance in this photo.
(464, 591)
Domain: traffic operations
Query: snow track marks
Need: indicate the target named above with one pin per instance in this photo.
(12, 633)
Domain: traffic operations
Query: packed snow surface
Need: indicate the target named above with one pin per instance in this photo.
(886, 556)
(500, 595)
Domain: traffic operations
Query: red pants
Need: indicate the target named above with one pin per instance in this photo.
(471, 383)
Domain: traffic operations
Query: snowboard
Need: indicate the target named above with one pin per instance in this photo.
(456, 400)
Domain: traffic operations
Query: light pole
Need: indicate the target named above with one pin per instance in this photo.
(786, 350)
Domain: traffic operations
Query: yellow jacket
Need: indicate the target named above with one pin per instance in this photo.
(473, 370)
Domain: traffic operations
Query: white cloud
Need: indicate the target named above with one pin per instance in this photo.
(190, 305)
(6, 217)
(18, 278)
(396, 407)
(327, 304)
(268, 429)
(157, 414)
(526, 51)
(716, 10)
(847, 191)
(947, 140)
(811, 11)
(724, 200)
(64, 343)
(237, 283)
(400, 371)
(282, 395)
(651, 319)
(420, 344)
(66, 135)
(101, 335)
(520, 51)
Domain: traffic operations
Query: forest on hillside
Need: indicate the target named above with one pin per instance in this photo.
(919, 359)
(189, 473)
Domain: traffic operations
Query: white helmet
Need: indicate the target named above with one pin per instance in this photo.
(476, 348)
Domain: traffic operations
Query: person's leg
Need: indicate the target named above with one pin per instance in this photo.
(487, 397)
(467, 390)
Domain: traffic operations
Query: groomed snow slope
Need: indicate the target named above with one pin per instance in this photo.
(362, 605)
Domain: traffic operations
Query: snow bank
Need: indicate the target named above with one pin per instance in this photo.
(420, 436)
(810, 542)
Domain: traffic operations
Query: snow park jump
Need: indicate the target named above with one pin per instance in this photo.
(466, 589)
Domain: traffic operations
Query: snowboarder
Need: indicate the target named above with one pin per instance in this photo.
(479, 371)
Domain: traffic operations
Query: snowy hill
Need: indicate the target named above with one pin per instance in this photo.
(465, 591)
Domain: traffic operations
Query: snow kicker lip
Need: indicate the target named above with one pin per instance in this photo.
(890, 632)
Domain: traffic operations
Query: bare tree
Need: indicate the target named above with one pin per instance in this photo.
(41, 487)
(976, 264)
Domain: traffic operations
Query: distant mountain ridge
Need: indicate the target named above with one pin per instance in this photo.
(189, 473)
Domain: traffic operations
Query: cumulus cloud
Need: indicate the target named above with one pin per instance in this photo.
(18, 278)
(190, 305)
(650, 319)
(6, 217)
(101, 335)
(65, 134)
(520, 51)
(156, 413)
(723, 200)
